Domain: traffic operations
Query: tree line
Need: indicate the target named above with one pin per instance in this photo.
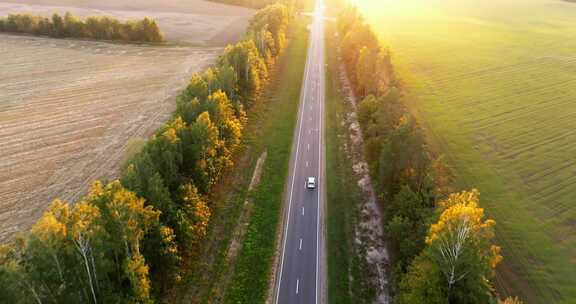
(98, 28)
(125, 241)
(261, 3)
(442, 244)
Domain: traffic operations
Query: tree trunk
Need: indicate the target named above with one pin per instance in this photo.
(81, 246)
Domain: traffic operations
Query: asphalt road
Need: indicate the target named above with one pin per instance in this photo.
(300, 275)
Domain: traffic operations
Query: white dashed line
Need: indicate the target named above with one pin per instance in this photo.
(297, 285)
(300, 248)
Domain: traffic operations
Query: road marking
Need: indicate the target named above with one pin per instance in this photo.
(303, 106)
(300, 248)
(302, 210)
(321, 91)
(297, 285)
(308, 147)
(315, 50)
(306, 164)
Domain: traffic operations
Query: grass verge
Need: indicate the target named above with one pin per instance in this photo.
(345, 282)
(275, 134)
(270, 127)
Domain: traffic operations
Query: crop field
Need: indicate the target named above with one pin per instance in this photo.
(494, 85)
(70, 109)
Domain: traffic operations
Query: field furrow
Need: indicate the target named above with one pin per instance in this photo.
(68, 112)
(494, 85)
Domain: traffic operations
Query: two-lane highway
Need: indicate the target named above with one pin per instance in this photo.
(299, 278)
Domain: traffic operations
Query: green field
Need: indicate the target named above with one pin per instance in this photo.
(494, 85)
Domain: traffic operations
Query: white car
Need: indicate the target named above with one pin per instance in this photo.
(311, 184)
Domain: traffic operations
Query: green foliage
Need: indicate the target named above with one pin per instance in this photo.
(501, 128)
(190, 153)
(347, 279)
(407, 221)
(422, 284)
(404, 161)
(459, 260)
(367, 63)
(125, 241)
(99, 28)
(410, 181)
(78, 254)
(268, 29)
(252, 273)
(250, 68)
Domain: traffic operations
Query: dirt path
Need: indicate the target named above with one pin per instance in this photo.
(369, 234)
(239, 232)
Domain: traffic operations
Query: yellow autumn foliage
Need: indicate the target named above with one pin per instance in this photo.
(137, 272)
(510, 300)
(172, 129)
(168, 237)
(461, 208)
(82, 219)
(126, 208)
(201, 213)
(52, 222)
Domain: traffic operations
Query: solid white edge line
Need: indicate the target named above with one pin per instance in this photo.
(302, 106)
(321, 93)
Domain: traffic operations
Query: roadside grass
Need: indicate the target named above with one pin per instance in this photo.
(493, 87)
(205, 271)
(345, 280)
(270, 125)
(275, 132)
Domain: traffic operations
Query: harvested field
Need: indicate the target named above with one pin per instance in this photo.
(195, 22)
(69, 109)
(494, 84)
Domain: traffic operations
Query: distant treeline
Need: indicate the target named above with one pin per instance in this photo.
(441, 243)
(125, 241)
(261, 3)
(98, 28)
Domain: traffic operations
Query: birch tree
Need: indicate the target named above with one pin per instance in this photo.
(83, 228)
(460, 242)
